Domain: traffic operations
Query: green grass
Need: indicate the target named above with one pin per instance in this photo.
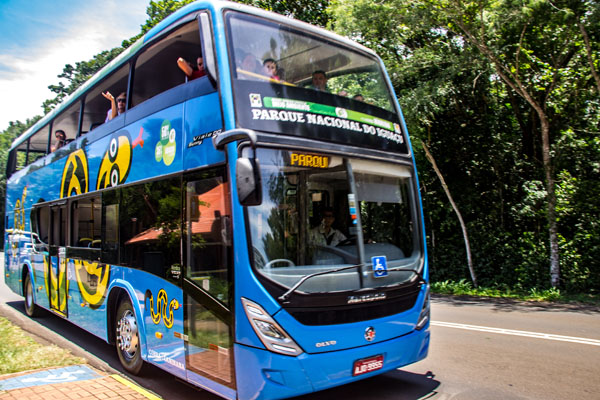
(19, 352)
(465, 288)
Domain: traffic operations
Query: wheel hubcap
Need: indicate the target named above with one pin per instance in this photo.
(127, 334)
(29, 295)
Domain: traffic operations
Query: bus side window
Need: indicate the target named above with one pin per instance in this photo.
(58, 227)
(150, 226)
(96, 106)
(68, 122)
(86, 222)
(156, 69)
(40, 226)
(28, 151)
(110, 226)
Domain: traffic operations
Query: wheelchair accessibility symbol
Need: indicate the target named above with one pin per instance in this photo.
(379, 266)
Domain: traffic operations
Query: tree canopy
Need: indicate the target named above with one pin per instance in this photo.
(506, 96)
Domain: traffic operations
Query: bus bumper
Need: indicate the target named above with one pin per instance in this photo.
(262, 374)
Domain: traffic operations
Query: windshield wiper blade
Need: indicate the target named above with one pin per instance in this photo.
(417, 272)
(284, 296)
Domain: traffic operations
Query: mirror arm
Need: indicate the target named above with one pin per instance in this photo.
(224, 138)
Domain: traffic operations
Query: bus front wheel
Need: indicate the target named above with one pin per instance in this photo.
(30, 308)
(128, 339)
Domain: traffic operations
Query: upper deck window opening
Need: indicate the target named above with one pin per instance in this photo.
(97, 107)
(31, 149)
(156, 69)
(67, 122)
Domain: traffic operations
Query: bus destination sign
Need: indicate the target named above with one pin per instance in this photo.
(308, 160)
(323, 116)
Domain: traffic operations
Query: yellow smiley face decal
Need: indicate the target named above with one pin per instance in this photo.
(116, 161)
(75, 177)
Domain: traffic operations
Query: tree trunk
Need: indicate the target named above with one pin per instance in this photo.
(588, 49)
(551, 193)
(458, 214)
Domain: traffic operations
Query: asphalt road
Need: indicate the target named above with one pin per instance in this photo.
(480, 349)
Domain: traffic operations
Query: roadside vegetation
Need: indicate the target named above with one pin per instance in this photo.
(19, 352)
(465, 288)
(503, 98)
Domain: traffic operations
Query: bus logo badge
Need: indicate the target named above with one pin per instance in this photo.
(379, 266)
(370, 334)
(255, 100)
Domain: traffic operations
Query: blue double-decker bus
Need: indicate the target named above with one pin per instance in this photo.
(245, 215)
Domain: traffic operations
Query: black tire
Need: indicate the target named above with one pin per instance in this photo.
(128, 338)
(30, 308)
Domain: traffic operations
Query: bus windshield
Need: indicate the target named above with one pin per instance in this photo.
(322, 212)
(292, 58)
(295, 82)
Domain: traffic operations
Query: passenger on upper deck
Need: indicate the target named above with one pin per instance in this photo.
(271, 69)
(191, 72)
(319, 81)
(250, 63)
(61, 138)
(359, 97)
(116, 108)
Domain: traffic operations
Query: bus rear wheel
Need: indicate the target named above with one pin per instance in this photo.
(30, 308)
(128, 338)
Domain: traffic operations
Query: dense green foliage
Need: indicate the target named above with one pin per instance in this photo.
(486, 135)
(506, 96)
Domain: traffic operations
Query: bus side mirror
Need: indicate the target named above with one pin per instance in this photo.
(247, 176)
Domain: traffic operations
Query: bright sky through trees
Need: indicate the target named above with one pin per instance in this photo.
(38, 37)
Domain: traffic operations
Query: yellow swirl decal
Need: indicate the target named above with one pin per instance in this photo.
(116, 161)
(56, 285)
(75, 177)
(92, 280)
(161, 308)
(19, 222)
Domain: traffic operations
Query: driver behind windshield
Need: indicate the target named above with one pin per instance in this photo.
(325, 234)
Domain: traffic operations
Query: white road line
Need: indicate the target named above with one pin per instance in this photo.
(536, 335)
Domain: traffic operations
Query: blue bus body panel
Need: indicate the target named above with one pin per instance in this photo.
(13, 260)
(203, 120)
(274, 376)
(88, 290)
(161, 303)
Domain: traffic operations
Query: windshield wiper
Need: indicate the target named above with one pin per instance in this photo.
(284, 296)
(417, 272)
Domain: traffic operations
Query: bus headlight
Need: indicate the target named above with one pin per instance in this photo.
(268, 331)
(425, 312)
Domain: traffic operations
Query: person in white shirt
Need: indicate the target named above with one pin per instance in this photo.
(325, 234)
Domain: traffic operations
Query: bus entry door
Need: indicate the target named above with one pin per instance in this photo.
(55, 270)
(56, 280)
(207, 282)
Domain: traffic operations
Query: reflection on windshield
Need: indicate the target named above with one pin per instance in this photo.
(271, 52)
(313, 218)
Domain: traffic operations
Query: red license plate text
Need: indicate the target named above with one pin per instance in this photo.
(367, 365)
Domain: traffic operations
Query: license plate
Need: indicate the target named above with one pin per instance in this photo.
(367, 365)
